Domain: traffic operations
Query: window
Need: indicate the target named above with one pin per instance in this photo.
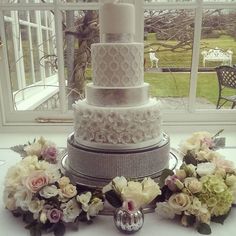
(46, 48)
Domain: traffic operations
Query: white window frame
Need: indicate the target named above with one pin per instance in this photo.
(172, 118)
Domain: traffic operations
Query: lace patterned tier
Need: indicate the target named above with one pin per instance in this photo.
(117, 64)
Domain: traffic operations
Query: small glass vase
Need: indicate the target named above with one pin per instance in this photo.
(128, 221)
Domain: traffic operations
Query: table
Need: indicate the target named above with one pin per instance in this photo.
(103, 225)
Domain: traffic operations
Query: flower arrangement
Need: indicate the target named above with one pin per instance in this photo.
(36, 189)
(203, 189)
(133, 194)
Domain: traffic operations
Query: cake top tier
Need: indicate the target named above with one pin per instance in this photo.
(117, 21)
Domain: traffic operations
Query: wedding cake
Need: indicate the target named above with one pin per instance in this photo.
(117, 127)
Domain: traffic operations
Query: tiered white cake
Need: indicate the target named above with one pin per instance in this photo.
(117, 126)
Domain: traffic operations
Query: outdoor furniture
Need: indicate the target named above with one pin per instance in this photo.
(226, 79)
(153, 58)
(217, 54)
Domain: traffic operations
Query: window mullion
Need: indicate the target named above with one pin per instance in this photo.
(7, 103)
(19, 57)
(195, 56)
(40, 45)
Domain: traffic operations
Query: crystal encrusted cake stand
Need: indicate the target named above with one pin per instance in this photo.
(97, 167)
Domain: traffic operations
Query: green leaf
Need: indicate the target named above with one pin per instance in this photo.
(113, 199)
(191, 219)
(60, 229)
(28, 218)
(19, 149)
(220, 219)
(35, 231)
(189, 158)
(203, 228)
(164, 175)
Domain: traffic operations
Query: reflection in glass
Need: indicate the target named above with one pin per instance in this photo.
(168, 38)
(218, 47)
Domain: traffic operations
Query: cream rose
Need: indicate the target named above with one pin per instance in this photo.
(36, 180)
(118, 183)
(164, 210)
(180, 202)
(68, 191)
(94, 208)
(84, 200)
(63, 181)
(141, 193)
(193, 185)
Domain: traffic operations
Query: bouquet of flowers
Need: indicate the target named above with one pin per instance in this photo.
(203, 189)
(36, 189)
(136, 194)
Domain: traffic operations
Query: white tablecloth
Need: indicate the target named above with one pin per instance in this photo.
(103, 225)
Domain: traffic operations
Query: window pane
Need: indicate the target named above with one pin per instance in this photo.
(33, 69)
(27, 57)
(168, 52)
(218, 47)
(36, 58)
(11, 56)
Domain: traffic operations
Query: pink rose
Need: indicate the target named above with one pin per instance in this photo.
(50, 154)
(173, 183)
(36, 180)
(54, 215)
(226, 165)
(208, 142)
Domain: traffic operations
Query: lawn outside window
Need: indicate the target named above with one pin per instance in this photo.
(41, 43)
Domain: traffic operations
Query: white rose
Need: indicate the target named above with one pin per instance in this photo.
(180, 202)
(53, 173)
(164, 210)
(36, 206)
(118, 183)
(193, 185)
(71, 210)
(141, 193)
(150, 188)
(23, 198)
(34, 149)
(84, 200)
(230, 180)
(206, 168)
(94, 208)
(49, 191)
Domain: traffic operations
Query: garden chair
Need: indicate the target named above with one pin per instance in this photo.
(153, 58)
(226, 79)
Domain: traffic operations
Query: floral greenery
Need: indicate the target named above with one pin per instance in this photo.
(36, 189)
(203, 189)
